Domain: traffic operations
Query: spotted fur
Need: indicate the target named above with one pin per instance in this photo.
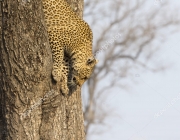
(68, 35)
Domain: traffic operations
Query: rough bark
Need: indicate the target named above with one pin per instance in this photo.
(31, 106)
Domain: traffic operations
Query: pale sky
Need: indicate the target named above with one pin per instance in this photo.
(155, 93)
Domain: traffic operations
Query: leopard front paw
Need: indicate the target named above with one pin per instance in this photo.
(56, 75)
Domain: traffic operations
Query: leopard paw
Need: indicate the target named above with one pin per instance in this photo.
(56, 75)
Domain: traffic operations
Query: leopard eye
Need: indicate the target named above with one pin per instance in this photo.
(90, 61)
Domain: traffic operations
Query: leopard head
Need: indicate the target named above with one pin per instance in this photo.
(84, 71)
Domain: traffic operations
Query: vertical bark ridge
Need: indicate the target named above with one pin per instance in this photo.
(25, 57)
(31, 106)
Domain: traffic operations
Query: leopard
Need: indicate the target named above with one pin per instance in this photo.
(71, 37)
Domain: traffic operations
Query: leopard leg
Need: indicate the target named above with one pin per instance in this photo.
(64, 86)
(58, 55)
(58, 68)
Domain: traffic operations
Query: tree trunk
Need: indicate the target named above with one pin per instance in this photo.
(31, 106)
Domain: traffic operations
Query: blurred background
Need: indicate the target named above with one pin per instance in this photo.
(134, 93)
